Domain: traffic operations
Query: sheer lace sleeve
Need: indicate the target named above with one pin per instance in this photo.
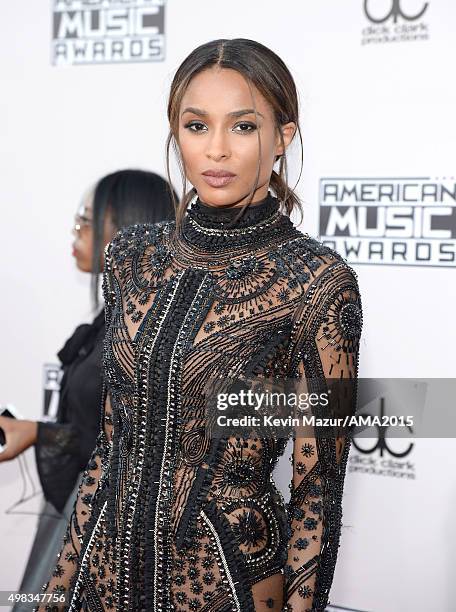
(57, 459)
(325, 348)
(89, 500)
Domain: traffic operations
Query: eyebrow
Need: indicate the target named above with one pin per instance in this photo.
(235, 114)
(245, 111)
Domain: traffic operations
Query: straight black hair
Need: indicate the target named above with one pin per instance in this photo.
(130, 196)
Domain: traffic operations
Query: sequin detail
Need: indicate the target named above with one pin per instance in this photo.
(167, 518)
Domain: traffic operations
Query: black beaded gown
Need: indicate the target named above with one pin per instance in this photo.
(169, 518)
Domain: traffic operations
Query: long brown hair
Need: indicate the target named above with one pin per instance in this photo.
(261, 68)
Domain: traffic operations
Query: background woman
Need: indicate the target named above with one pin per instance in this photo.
(63, 448)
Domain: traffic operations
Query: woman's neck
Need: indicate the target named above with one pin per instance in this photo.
(235, 207)
(258, 198)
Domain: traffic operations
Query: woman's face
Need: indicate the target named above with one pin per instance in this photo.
(218, 138)
(83, 232)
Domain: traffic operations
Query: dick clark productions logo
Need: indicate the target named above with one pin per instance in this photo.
(395, 21)
(374, 459)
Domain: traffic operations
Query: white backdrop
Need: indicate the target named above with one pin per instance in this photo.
(378, 109)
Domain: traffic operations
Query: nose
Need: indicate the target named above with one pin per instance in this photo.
(218, 146)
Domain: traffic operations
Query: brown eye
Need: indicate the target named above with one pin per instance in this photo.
(245, 127)
(195, 126)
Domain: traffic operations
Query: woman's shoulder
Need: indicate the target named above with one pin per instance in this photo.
(133, 240)
(327, 288)
(315, 261)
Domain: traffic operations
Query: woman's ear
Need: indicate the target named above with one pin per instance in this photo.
(284, 137)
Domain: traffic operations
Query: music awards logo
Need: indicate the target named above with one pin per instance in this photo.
(52, 377)
(395, 21)
(401, 221)
(108, 31)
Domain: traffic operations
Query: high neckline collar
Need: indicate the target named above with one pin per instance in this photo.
(212, 228)
(208, 217)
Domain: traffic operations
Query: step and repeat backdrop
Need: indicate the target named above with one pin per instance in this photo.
(85, 84)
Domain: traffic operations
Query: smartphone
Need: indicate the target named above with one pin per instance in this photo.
(7, 411)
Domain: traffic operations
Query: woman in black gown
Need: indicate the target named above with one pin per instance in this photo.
(170, 516)
(63, 447)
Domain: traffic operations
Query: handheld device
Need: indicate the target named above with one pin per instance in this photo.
(9, 411)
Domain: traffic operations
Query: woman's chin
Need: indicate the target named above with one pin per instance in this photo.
(83, 267)
(219, 196)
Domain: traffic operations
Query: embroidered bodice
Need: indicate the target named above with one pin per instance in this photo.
(169, 518)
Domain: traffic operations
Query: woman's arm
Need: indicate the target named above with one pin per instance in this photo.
(20, 435)
(62, 449)
(57, 455)
(327, 333)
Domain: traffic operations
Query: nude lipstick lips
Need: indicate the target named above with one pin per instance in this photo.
(218, 178)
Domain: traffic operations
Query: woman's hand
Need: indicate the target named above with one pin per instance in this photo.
(19, 436)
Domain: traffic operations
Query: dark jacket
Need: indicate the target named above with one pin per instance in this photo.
(63, 448)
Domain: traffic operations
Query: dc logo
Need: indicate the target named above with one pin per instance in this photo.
(395, 12)
(382, 446)
(381, 443)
